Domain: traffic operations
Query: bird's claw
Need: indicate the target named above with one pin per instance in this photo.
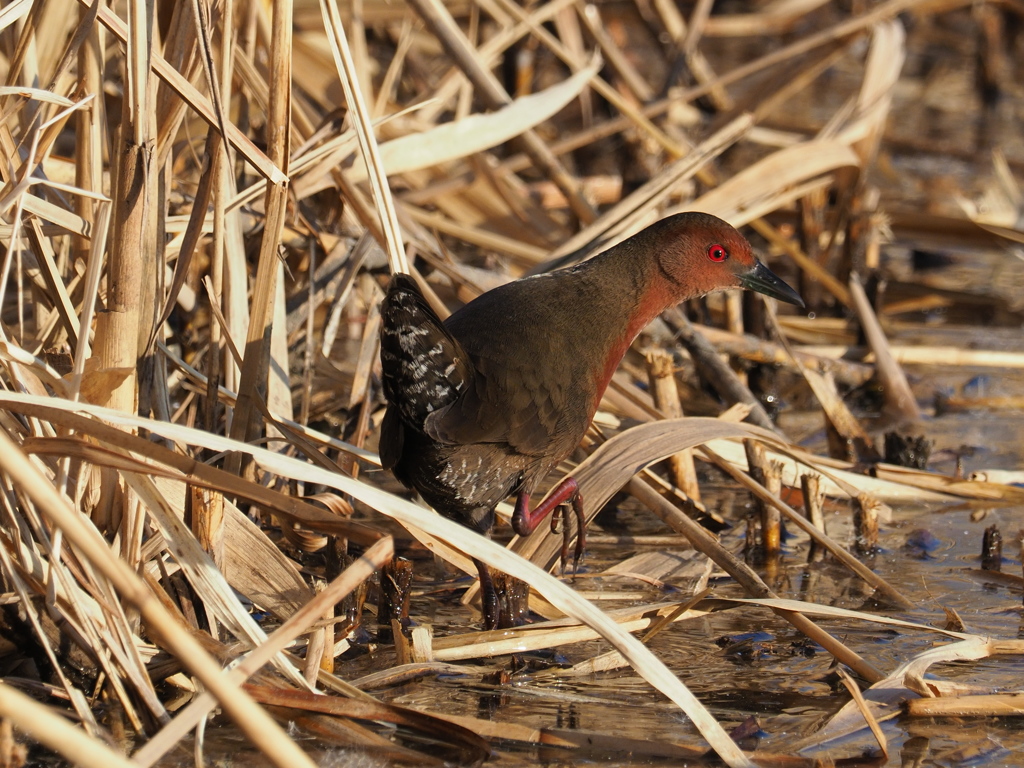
(581, 533)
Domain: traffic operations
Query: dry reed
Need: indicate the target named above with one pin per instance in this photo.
(282, 157)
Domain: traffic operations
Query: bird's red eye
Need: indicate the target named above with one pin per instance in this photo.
(717, 252)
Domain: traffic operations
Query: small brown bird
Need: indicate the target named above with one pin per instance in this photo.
(483, 405)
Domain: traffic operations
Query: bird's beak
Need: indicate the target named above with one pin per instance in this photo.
(763, 280)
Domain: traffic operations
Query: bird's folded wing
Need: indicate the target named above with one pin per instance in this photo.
(423, 368)
(501, 405)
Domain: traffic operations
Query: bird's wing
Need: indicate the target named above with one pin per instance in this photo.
(505, 401)
(423, 367)
(491, 413)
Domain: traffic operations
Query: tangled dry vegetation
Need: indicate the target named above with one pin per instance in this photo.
(199, 208)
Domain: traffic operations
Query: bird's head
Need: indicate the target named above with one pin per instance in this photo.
(699, 253)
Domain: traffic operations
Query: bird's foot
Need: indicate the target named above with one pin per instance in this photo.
(525, 520)
(581, 533)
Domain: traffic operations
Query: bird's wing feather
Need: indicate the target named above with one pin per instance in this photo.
(496, 410)
(423, 367)
(507, 401)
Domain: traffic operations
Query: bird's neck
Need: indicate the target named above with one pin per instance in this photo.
(630, 282)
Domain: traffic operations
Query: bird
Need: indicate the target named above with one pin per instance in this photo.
(483, 405)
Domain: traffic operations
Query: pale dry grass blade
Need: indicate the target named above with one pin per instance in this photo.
(906, 682)
(834, 612)
(476, 133)
(900, 402)
(253, 720)
(609, 467)
(297, 623)
(279, 391)
(754, 190)
(194, 99)
(881, 73)
(93, 270)
(367, 140)
(50, 728)
(38, 94)
(773, 17)
(14, 12)
(551, 634)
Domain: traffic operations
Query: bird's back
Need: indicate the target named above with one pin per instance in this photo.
(447, 428)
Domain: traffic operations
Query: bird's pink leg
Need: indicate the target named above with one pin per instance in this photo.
(525, 521)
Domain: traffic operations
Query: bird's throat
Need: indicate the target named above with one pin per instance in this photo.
(651, 303)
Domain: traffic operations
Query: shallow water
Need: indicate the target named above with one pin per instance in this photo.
(767, 670)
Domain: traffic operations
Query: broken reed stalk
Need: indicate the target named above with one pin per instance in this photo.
(771, 518)
(513, 597)
(865, 524)
(814, 498)
(900, 402)
(757, 469)
(422, 644)
(317, 647)
(768, 474)
(395, 582)
(992, 549)
(979, 705)
(661, 375)
(207, 508)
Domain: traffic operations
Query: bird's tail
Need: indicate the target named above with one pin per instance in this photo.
(424, 369)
